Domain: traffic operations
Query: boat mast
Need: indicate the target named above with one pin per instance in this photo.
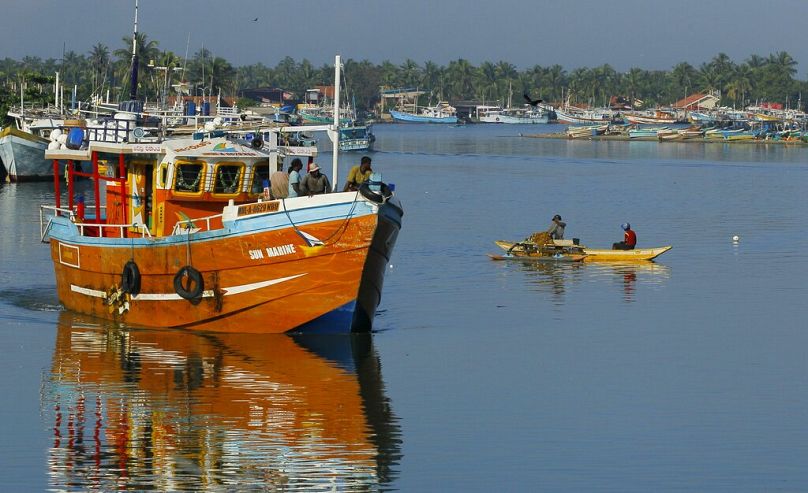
(133, 87)
(335, 139)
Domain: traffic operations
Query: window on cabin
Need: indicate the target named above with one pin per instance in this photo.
(188, 178)
(260, 173)
(228, 179)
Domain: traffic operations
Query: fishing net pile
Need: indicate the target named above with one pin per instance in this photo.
(539, 238)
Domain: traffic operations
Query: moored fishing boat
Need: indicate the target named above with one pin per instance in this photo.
(22, 154)
(574, 115)
(440, 113)
(183, 233)
(356, 137)
(647, 132)
(651, 118)
(583, 131)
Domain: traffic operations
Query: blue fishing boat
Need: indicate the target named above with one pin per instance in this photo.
(442, 112)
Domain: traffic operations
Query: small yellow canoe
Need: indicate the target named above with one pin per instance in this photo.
(597, 254)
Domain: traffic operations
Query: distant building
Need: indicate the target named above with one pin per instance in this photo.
(697, 101)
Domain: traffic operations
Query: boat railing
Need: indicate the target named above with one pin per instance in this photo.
(110, 131)
(188, 226)
(52, 212)
(84, 228)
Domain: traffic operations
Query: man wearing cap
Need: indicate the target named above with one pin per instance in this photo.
(358, 175)
(556, 230)
(315, 182)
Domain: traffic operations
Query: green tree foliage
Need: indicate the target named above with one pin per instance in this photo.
(756, 79)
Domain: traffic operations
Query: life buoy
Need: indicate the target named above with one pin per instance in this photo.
(193, 287)
(379, 197)
(130, 278)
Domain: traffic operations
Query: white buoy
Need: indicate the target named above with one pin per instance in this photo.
(736, 238)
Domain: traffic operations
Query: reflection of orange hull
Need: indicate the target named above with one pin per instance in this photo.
(196, 397)
(241, 293)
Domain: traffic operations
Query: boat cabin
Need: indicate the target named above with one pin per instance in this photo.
(157, 189)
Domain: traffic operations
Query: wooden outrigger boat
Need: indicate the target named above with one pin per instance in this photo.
(589, 254)
(184, 233)
(558, 251)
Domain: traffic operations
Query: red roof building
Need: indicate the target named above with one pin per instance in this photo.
(697, 101)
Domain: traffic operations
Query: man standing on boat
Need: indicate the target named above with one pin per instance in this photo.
(358, 175)
(294, 178)
(315, 182)
(629, 239)
(279, 183)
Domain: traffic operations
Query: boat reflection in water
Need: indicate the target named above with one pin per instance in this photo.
(171, 410)
(555, 277)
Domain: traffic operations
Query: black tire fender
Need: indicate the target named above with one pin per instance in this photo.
(188, 283)
(379, 197)
(130, 278)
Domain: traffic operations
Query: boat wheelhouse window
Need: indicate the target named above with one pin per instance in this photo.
(188, 177)
(260, 173)
(228, 178)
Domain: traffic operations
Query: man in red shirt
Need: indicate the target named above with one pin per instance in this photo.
(629, 239)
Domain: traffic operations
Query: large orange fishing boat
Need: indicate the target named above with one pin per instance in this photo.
(183, 233)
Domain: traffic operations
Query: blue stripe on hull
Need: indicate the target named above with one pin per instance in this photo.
(338, 321)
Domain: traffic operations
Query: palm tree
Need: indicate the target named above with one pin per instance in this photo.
(683, 76)
(462, 75)
(708, 78)
(741, 84)
(410, 73)
(488, 82)
(433, 77)
(785, 62)
(633, 80)
(506, 74)
(555, 78)
(146, 52)
(99, 61)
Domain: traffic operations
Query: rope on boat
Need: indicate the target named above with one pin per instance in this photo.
(339, 230)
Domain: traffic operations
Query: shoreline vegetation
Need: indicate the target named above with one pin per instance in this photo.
(104, 72)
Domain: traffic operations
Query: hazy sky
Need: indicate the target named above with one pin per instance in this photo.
(650, 34)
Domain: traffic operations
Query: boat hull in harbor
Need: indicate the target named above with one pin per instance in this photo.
(405, 117)
(23, 156)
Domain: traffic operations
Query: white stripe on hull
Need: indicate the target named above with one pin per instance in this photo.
(244, 288)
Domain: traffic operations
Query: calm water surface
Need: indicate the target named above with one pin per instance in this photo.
(689, 374)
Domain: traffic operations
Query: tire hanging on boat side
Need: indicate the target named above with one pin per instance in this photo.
(130, 278)
(379, 197)
(192, 289)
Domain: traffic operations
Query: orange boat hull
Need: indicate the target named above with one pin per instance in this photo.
(266, 282)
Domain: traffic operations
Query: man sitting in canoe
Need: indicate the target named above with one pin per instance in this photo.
(629, 239)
